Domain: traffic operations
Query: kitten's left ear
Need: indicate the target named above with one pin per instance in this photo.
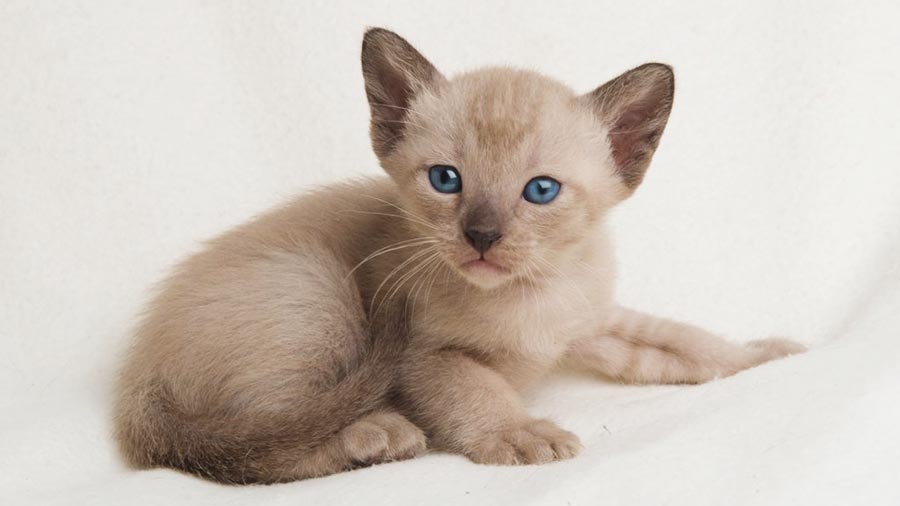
(634, 107)
(394, 73)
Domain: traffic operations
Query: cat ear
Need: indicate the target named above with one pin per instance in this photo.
(634, 107)
(394, 73)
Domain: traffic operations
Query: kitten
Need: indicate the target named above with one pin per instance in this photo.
(363, 322)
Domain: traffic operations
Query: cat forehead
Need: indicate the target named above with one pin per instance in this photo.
(502, 104)
(503, 109)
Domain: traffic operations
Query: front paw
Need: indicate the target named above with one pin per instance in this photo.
(772, 348)
(534, 442)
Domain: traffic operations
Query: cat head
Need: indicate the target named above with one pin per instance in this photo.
(508, 169)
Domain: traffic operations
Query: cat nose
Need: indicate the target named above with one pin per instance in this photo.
(482, 240)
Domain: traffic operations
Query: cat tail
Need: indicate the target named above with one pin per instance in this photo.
(293, 443)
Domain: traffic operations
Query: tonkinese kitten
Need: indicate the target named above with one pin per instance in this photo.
(371, 320)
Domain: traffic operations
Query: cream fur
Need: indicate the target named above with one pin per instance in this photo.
(345, 328)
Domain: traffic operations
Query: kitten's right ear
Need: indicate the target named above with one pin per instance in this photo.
(394, 73)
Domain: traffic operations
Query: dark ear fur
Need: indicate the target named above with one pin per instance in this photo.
(635, 108)
(394, 73)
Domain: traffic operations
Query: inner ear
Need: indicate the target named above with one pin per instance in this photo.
(394, 73)
(635, 108)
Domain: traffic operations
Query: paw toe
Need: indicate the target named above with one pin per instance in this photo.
(383, 437)
(536, 442)
(530, 449)
(565, 444)
(494, 451)
(365, 442)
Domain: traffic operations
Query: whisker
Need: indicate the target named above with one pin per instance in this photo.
(417, 286)
(432, 276)
(403, 264)
(409, 243)
(588, 267)
(565, 279)
(414, 290)
(375, 213)
(398, 284)
(556, 294)
(532, 280)
(447, 272)
(522, 286)
(409, 293)
(401, 209)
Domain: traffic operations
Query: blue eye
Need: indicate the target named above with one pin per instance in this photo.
(541, 190)
(445, 179)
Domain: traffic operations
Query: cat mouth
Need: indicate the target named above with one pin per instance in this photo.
(482, 265)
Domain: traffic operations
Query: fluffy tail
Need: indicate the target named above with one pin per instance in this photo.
(242, 446)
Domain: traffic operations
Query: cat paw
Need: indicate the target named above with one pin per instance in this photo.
(382, 437)
(772, 348)
(534, 442)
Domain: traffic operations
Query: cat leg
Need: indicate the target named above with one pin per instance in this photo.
(638, 348)
(467, 407)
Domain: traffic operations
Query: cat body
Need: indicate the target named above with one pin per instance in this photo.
(367, 321)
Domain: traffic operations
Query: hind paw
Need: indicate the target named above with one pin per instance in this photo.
(382, 437)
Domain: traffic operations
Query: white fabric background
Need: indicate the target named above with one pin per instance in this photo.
(131, 131)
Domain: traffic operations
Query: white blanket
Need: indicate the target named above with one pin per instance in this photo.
(130, 132)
